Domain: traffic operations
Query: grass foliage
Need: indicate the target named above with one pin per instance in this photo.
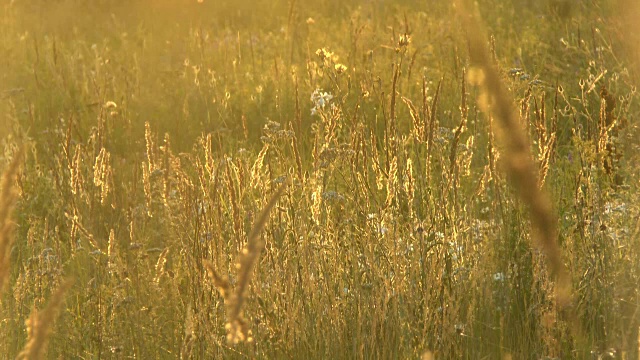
(330, 179)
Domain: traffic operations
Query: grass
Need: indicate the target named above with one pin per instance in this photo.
(319, 180)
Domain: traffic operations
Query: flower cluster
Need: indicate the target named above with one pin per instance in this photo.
(330, 60)
(325, 55)
(272, 131)
(404, 40)
(320, 99)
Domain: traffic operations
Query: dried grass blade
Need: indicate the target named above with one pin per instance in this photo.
(8, 198)
(250, 255)
(40, 325)
(518, 159)
(236, 326)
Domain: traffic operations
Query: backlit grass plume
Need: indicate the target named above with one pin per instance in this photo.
(40, 325)
(236, 325)
(517, 157)
(8, 197)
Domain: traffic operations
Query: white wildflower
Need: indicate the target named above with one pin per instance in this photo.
(320, 99)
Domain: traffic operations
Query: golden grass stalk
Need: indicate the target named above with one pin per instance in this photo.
(410, 185)
(189, 335)
(296, 153)
(74, 168)
(235, 209)
(546, 135)
(77, 226)
(257, 166)
(160, 266)
(146, 182)
(392, 182)
(167, 157)
(150, 147)
(102, 173)
(453, 156)
(517, 157)
(236, 326)
(8, 197)
(40, 325)
(392, 135)
(111, 250)
(432, 123)
(418, 125)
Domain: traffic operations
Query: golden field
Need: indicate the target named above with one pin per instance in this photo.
(319, 180)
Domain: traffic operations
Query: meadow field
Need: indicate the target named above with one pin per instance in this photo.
(319, 180)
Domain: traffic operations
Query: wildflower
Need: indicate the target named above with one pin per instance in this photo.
(340, 68)
(320, 99)
(332, 196)
(404, 40)
(516, 72)
(324, 54)
(271, 126)
(498, 276)
(610, 208)
(109, 105)
(280, 180)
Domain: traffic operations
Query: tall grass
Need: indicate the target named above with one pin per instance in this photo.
(423, 154)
